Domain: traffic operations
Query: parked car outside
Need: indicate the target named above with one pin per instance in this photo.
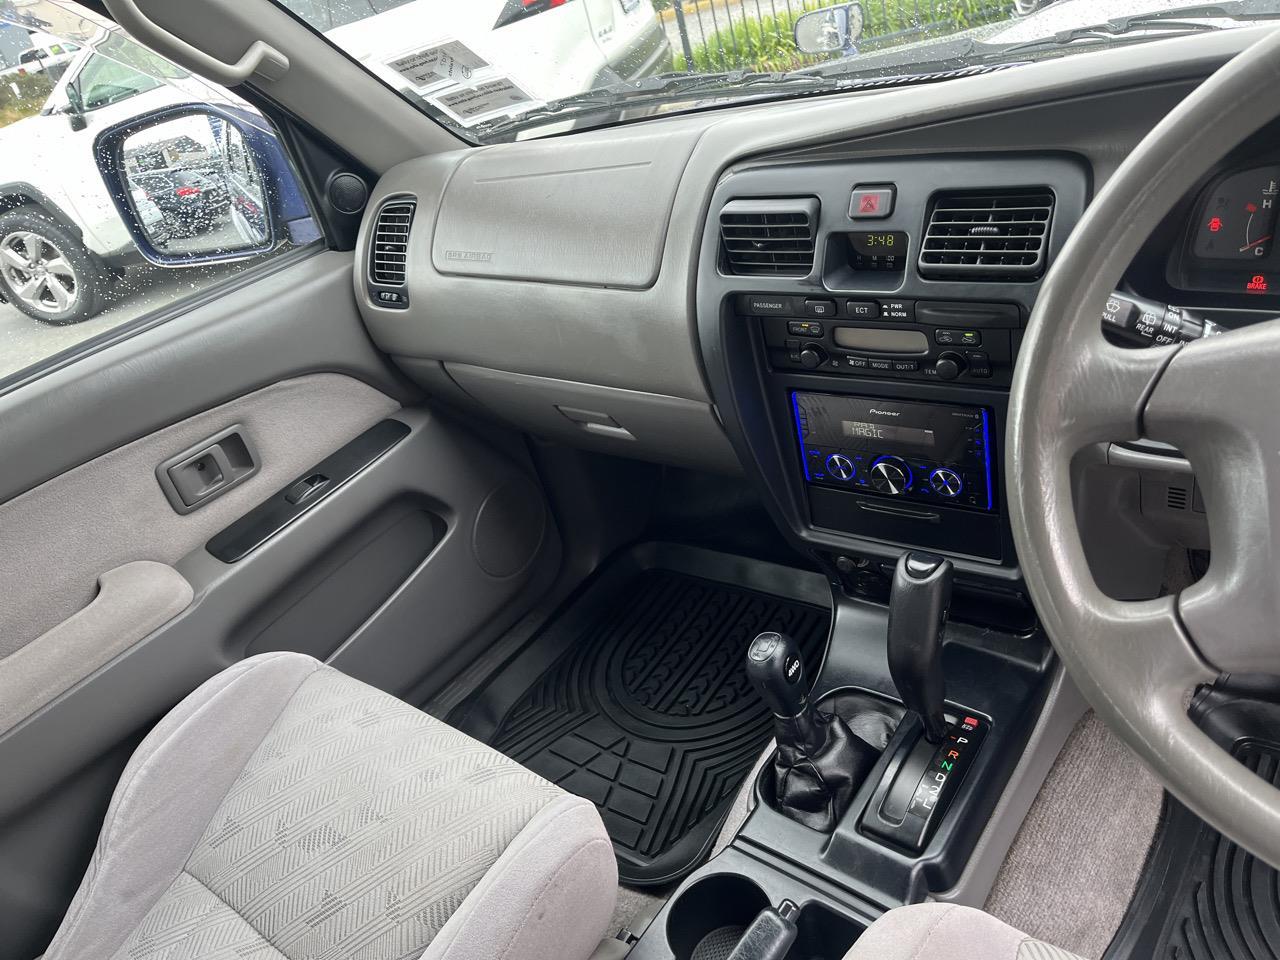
(48, 55)
(459, 57)
(62, 243)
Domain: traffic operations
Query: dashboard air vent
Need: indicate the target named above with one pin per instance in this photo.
(389, 255)
(769, 237)
(987, 235)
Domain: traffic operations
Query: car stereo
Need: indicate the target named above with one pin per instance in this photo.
(932, 452)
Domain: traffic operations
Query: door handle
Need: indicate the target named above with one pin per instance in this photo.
(207, 470)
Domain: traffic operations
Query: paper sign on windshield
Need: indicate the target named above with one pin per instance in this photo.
(453, 62)
(472, 103)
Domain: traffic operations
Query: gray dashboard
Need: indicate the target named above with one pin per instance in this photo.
(555, 283)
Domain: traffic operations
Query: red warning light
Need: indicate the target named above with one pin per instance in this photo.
(1215, 224)
(1257, 285)
(1251, 207)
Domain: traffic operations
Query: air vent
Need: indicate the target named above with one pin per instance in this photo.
(987, 235)
(389, 256)
(769, 237)
(1176, 498)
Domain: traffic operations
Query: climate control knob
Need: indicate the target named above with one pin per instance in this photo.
(840, 466)
(812, 356)
(950, 365)
(891, 475)
(946, 482)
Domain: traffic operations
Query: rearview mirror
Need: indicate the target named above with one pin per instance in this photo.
(198, 184)
(830, 30)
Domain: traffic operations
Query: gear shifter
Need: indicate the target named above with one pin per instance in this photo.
(918, 605)
(820, 762)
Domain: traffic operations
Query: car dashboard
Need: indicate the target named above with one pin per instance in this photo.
(827, 296)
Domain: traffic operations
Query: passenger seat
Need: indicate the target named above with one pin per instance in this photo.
(284, 810)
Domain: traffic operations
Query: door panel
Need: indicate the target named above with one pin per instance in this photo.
(120, 513)
(395, 576)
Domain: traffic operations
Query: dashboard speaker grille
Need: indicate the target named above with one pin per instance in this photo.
(769, 237)
(988, 235)
(389, 256)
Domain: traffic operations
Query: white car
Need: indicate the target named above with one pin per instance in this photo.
(452, 52)
(62, 242)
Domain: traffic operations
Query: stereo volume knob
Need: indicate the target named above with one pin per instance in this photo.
(840, 466)
(950, 365)
(812, 356)
(891, 475)
(946, 482)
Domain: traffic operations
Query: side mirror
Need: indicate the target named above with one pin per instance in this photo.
(77, 120)
(199, 184)
(830, 30)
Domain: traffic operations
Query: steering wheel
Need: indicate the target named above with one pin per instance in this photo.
(1218, 401)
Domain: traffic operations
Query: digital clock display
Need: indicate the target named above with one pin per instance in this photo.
(883, 243)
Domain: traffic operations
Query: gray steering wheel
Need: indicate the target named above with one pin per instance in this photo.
(1218, 401)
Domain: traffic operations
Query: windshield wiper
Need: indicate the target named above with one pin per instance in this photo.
(1174, 21)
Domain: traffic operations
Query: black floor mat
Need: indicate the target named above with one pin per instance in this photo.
(1203, 897)
(648, 712)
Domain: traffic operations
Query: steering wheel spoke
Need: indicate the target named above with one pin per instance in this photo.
(1218, 402)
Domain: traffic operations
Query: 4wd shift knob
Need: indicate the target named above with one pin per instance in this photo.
(776, 668)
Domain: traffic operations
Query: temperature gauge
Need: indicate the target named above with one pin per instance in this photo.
(1238, 220)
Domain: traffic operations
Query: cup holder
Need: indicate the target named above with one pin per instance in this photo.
(710, 917)
(824, 934)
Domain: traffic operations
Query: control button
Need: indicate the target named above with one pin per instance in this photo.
(966, 338)
(1119, 312)
(858, 363)
(793, 350)
(901, 310)
(863, 309)
(946, 482)
(812, 356)
(979, 364)
(804, 328)
(840, 466)
(875, 364)
(950, 365)
(906, 366)
(766, 305)
(891, 475)
(872, 202)
(819, 308)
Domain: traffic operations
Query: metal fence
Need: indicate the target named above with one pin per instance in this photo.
(757, 34)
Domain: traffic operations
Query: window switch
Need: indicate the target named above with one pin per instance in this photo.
(306, 488)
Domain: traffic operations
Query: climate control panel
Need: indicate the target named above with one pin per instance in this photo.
(894, 339)
(924, 452)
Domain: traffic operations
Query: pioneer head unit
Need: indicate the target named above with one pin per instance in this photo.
(938, 453)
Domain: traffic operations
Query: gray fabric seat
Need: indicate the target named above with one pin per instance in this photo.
(946, 931)
(284, 810)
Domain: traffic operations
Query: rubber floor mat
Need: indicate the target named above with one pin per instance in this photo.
(649, 713)
(1204, 897)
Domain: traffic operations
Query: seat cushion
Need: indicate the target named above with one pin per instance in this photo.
(946, 931)
(284, 810)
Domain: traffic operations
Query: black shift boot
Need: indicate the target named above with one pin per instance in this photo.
(820, 762)
(816, 788)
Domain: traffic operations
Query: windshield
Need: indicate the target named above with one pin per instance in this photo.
(495, 70)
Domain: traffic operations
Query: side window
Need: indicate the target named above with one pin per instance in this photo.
(207, 189)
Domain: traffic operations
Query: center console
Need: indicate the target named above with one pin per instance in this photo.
(859, 321)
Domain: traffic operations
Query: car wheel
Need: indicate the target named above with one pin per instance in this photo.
(46, 272)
